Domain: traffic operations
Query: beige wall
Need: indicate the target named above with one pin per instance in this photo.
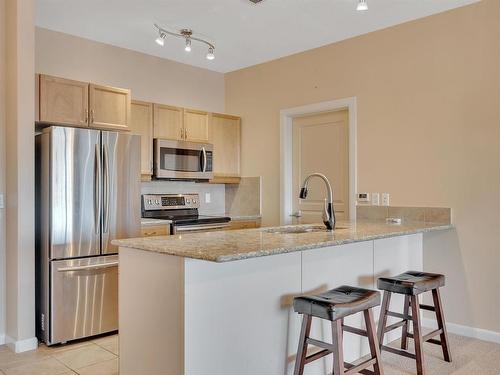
(150, 78)
(428, 131)
(2, 168)
(19, 138)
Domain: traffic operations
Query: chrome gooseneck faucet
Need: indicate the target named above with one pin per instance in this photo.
(328, 212)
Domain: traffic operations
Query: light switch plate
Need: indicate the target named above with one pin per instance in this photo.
(386, 199)
(363, 197)
(2, 203)
(375, 199)
(208, 198)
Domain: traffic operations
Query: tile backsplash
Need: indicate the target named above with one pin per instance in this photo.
(217, 193)
(244, 199)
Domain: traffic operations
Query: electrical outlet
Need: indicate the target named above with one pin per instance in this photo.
(386, 199)
(375, 199)
(363, 198)
(208, 198)
(2, 203)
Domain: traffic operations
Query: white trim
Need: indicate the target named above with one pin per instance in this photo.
(2, 338)
(476, 333)
(286, 165)
(22, 345)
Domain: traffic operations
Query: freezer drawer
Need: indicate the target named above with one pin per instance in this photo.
(84, 299)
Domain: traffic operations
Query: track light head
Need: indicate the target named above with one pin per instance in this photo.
(362, 5)
(161, 39)
(210, 54)
(188, 45)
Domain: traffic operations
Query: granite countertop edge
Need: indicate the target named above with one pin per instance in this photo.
(159, 244)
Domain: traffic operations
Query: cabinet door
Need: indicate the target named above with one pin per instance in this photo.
(168, 122)
(109, 107)
(63, 101)
(141, 122)
(196, 125)
(225, 134)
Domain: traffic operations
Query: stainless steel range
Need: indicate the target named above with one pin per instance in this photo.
(181, 213)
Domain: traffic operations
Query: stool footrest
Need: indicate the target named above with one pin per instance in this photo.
(404, 353)
(427, 307)
(361, 368)
(429, 336)
(318, 355)
(320, 344)
(398, 315)
(392, 327)
(356, 331)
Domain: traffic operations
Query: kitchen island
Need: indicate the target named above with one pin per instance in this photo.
(221, 302)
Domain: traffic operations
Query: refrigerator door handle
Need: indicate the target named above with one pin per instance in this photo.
(97, 189)
(106, 189)
(88, 267)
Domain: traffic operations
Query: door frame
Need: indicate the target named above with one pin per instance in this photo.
(286, 151)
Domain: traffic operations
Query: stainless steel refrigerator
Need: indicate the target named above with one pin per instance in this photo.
(88, 193)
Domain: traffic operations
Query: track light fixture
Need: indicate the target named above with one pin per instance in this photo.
(362, 5)
(187, 34)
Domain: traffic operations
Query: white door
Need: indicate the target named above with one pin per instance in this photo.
(321, 144)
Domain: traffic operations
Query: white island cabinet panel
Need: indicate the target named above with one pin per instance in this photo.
(239, 317)
(328, 268)
(393, 256)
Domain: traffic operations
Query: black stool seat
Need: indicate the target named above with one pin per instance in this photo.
(337, 303)
(411, 283)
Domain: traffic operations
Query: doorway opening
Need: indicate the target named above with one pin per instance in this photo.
(317, 138)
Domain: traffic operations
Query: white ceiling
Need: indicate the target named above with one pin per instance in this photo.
(245, 34)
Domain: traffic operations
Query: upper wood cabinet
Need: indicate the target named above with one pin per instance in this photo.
(141, 123)
(109, 107)
(196, 126)
(63, 101)
(168, 122)
(225, 135)
(67, 102)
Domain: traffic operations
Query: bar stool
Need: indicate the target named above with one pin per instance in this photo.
(411, 284)
(334, 306)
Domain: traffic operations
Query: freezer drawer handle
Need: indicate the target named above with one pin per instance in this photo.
(89, 267)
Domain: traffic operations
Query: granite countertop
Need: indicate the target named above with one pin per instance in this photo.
(226, 246)
(244, 217)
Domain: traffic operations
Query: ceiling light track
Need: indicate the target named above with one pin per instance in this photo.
(187, 35)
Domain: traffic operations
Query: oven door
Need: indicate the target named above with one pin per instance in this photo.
(193, 228)
(183, 160)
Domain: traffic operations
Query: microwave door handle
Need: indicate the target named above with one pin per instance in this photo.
(97, 189)
(204, 161)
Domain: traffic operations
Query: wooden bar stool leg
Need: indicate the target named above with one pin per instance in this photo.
(438, 306)
(404, 338)
(338, 355)
(417, 335)
(386, 301)
(300, 359)
(373, 342)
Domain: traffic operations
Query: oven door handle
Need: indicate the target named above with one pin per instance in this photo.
(192, 228)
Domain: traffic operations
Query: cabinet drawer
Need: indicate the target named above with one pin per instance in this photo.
(155, 230)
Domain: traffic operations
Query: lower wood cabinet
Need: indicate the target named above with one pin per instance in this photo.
(154, 230)
(244, 224)
(141, 123)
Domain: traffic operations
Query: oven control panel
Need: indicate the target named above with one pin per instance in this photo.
(152, 202)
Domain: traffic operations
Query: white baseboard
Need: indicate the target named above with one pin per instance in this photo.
(2, 339)
(21, 345)
(476, 333)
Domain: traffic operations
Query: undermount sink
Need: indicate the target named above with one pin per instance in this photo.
(300, 229)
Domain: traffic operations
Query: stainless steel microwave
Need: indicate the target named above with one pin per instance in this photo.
(181, 160)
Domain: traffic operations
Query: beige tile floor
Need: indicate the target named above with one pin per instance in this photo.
(95, 357)
(100, 357)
